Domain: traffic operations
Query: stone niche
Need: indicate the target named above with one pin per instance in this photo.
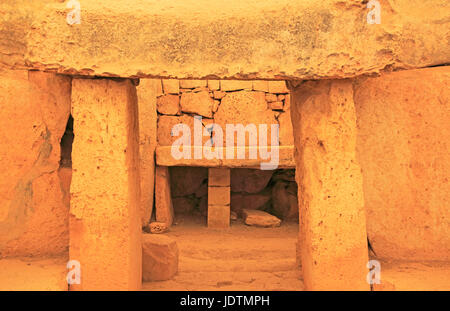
(206, 108)
(274, 192)
(223, 102)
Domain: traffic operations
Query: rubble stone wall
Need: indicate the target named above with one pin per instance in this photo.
(223, 102)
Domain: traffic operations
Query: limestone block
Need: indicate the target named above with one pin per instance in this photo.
(171, 86)
(235, 85)
(271, 97)
(192, 84)
(163, 198)
(214, 85)
(165, 134)
(278, 105)
(159, 89)
(286, 133)
(159, 257)
(168, 104)
(197, 103)
(219, 177)
(261, 85)
(305, 39)
(216, 105)
(218, 196)
(260, 219)
(403, 146)
(34, 109)
(234, 109)
(219, 94)
(105, 223)
(218, 216)
(278, 87)
(146, 92)
(333, 236)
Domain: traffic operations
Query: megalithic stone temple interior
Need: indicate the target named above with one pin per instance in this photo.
(224, 145)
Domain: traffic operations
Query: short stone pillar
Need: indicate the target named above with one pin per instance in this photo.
(219, 198)
(333, 238)
(105, 222)
(163, 197)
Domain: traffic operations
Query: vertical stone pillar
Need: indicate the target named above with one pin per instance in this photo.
(105, 223)
(147, 91)
(163, 197)
(219, 198)
(333, 238)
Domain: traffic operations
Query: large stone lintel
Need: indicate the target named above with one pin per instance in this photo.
(307, 39)
(164, 157)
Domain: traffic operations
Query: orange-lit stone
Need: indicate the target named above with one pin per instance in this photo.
(105, 223)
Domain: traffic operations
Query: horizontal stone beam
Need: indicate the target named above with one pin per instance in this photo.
(164, 157)
(305, 39)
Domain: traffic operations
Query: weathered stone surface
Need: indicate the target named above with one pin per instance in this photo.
(146, 92)
(271, 97)
(239, 201)
(278, 105)
(234, 109)
(198, 103)
(219, 177)
(260, 219)
(34, 109)
(249, 180)
(159, 257)
(214, 85)
(192, 84)
(33, 274)
(105, 220)
(158, 227)
(216, 106)
(333, 236)
(286, 133)
(286, 158)
(235, 85)
(403, 147)
(163, 198)
(166, 124)
(218, 196)
(218, 216)
(187, 180)
(261, 85)
(318, 39)
(284, 200)
(219, 94)
(278, 87)
(171, 86)
(168, 105)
